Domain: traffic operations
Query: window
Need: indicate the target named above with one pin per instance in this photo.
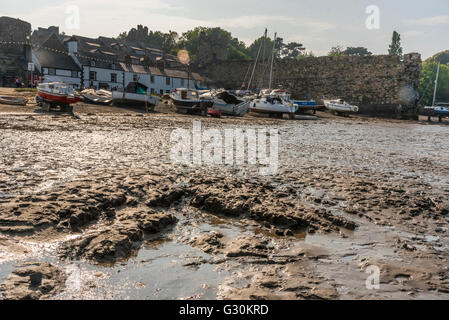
(92, 63)
(135, 78)
(74, 74)
(161, 92)
(114, 77)
(92, 75)
(167, 81)
(153, 91)
(51, 71)
(152, 79)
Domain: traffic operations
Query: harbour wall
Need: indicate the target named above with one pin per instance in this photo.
(381, 85)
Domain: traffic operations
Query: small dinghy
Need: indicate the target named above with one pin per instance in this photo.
(14, 101)
(135, 95)
(229, 104)
(100, 97)
(340, 106)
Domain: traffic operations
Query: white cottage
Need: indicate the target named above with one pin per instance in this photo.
(55, 64)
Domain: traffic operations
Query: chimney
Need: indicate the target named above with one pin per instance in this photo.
(72, 45)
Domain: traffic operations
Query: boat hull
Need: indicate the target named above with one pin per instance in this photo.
(342, 108)
(186, 104)
(234, 110)
(57, 98)
(266, 107)
(133, 99)
(441, 111)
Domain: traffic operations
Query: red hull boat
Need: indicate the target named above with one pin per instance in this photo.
(56, 94)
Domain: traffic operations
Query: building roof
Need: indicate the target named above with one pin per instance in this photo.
(53, 54)
(57, 60)
(101, 60)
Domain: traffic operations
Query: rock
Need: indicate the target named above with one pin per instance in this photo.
(33, 281)
(209, 243)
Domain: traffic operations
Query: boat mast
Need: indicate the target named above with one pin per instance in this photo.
(254, 67)
(272, 60)
(436, 85)
(264, 61)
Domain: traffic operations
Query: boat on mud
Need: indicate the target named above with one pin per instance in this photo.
(135, 95)
(13, 101)
(191, 100)
(53, 94)
(274, 102)
(340, 106)
(229, 104)
(99, 97)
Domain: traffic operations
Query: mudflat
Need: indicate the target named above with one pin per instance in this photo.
(92, 206)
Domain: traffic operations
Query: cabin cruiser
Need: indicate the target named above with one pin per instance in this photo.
(229, 104)
(52, 94)
(135, 95)
(190, 100)
(273, 104)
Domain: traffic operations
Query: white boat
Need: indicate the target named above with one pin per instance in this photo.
(340, 106)
(272, 105)
(230, 104)
(101, 97)
(135, 95)
(190, 100)
(53, 94)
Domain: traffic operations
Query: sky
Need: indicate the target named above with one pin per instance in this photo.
(317, 24)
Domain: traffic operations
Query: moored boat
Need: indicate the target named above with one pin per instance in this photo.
(54, 94)
(100, 97)
(135, 95)
(272, 105)
(16, 101)
(230, 104)
(340, 106)
(186, 100)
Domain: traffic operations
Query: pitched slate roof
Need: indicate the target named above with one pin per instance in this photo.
(51, 59)
(53, 54)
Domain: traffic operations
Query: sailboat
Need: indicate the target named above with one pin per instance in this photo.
(269, 101)
(438, 109)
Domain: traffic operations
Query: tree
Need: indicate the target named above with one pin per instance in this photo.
(265, 53)
(357, 51)
(442, 57)
(305, 55)
(122, 36)
(395, 46)
(292, 50)
(213, 38)
(336, 51)
(427, 82)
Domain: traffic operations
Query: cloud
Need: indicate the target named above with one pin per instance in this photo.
(430, 21)
(413, 33)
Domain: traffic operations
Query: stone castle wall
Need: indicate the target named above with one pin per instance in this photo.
(377, 84)
(14, 54)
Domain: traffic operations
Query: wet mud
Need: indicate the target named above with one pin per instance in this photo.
(93, 207)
